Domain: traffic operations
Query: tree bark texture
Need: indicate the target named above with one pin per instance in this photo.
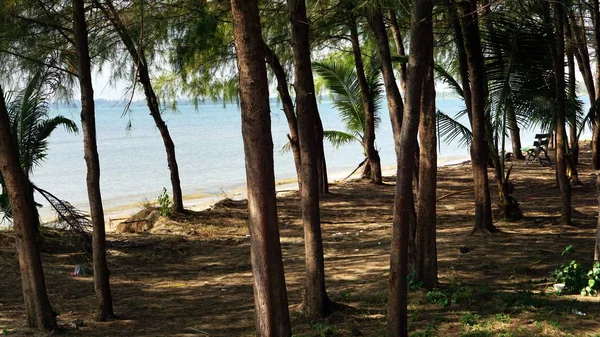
(561, 142)
(596, 131)
(396, 108)
(270, 296)
(572, 88)
(316, 302)
(405, 127)
(38, 311)
(90, 149)
(479, 148)
(397, 35)
(141, 65)
(369, 135)
(288, 107)
(426, 257)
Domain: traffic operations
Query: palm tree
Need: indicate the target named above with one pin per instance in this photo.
(519, 70)
(341, 79)
(31, 126)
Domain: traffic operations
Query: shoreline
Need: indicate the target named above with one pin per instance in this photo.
(113, 216)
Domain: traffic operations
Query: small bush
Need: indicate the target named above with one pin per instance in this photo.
(165, 203)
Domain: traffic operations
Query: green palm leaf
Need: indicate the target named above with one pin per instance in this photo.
(339, 138)
(449, 129)
(341, 80)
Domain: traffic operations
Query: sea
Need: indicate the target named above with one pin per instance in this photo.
(209, 149)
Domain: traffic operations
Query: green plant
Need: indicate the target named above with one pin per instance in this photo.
(503, 318)
(477, 333)
(411, 280)
(568, 250)
(572, 275)
(430, 331)
(438, 296)
(325, 330)
(470, 319)
(593, 281)
(165, 203)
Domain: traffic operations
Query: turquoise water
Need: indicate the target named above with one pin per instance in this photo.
(209, 151)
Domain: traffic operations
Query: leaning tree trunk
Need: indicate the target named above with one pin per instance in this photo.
(479, 148)
(596, 132)
(373, 159)
(288, 106)
(405, 127)
(316, 302)
(90, 149)
(396, 107)
(141, 64)
(561, 159)
(322, 163)
(395, 28)
(574, 153)
(270, 296)
(38, 312)
(426, 259)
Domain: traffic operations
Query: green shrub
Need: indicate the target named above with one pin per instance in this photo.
(165, 203)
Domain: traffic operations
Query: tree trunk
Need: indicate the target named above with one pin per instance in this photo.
(574, 153)
(38, 312)
(582, 57)
(395, 28)
(90, 149)
(426, 259)
(373, 159)
(459, 41)
(405, 127)
(316, 302)
(561, 160)
(321, 162)
(515, 136)
(479, 148)
(141, 64)
(270, 296)
(288, 106)
(596, 131)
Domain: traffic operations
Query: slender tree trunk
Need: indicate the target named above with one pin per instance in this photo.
(559, 69)
(405, 127)
(369, 135)
(426, 266)
(141, 64)
(397, 35)
(321, 162)
(288, 106)
(582, 55)
(316, 302)
(574, 153)
(596, 131)
(90, 149)
(396, 108)
(270, 296)
(515, 136)
(459, 41)
(38, 312)
(479, 148)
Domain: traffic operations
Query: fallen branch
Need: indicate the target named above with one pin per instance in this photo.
(454, 193)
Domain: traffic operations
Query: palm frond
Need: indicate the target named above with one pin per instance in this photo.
(339, 138)
(449, 129)
(342, 82)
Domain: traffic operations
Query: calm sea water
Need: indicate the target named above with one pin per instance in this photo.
(209, 150)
